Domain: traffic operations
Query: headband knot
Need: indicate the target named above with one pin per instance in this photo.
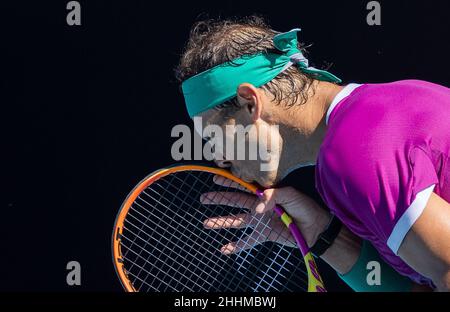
(299, 59)
(287, 42)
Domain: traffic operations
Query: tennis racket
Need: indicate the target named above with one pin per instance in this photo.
(191, 228)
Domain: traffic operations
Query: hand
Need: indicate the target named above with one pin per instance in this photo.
(267, 226)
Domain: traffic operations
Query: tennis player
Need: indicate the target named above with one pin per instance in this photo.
(381, 151)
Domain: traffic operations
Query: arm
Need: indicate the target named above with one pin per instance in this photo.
(349, 256)
(311, 219)
(346, 249)
(426, 247)
(344, 252)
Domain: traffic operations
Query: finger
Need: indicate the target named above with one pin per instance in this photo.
(231, 199)
(284, 237)
(247, 242)
(235, 222)
(258, 220)
(263, 207)
(280, 196)
(222, 181)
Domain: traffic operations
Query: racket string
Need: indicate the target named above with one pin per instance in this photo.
(175, 259)
(166, 273)
(205, 216)
(190, 206)
(231, 280)
(183, 217)
(150, 236)
(266, 226)
(252, 261)
(147, 219)
(271, 229)
(257, 268)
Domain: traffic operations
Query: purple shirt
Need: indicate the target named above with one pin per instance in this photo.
(386, 150)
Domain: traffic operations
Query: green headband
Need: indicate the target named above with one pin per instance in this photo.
(219, 84)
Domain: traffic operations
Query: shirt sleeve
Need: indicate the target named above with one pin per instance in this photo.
(421, 182)
(379, 196)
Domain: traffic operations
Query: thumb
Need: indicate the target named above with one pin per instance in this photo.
(271, 197)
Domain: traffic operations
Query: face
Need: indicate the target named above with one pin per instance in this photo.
(248, 145)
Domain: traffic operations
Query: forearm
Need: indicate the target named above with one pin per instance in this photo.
(344, 251)
(349, 256)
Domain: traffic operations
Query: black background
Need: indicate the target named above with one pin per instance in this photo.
(87, 110)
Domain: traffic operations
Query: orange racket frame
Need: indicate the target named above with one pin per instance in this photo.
(315, 283)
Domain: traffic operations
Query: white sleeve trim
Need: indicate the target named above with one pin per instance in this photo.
(408, 219)
(345, 92)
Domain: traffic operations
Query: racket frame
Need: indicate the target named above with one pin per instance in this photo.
(315, 283)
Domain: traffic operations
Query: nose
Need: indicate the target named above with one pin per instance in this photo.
(223, 163)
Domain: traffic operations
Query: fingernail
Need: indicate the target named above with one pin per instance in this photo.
(260, 207)
(225, 250)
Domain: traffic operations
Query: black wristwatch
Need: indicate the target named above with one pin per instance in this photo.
(327, 237)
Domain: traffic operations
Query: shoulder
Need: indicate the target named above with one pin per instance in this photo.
(378, 123)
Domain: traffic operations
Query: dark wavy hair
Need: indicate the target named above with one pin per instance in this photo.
(213, 42)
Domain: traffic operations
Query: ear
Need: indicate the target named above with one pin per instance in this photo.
(249, 97)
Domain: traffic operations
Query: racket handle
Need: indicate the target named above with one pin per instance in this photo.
(290, 224)
(287, 220)
(315, 283)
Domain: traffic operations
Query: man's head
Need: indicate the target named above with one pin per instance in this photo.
(267, 110)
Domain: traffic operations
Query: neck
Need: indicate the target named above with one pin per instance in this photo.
(304, 127)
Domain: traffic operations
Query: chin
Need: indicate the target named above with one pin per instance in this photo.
(267, 183)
